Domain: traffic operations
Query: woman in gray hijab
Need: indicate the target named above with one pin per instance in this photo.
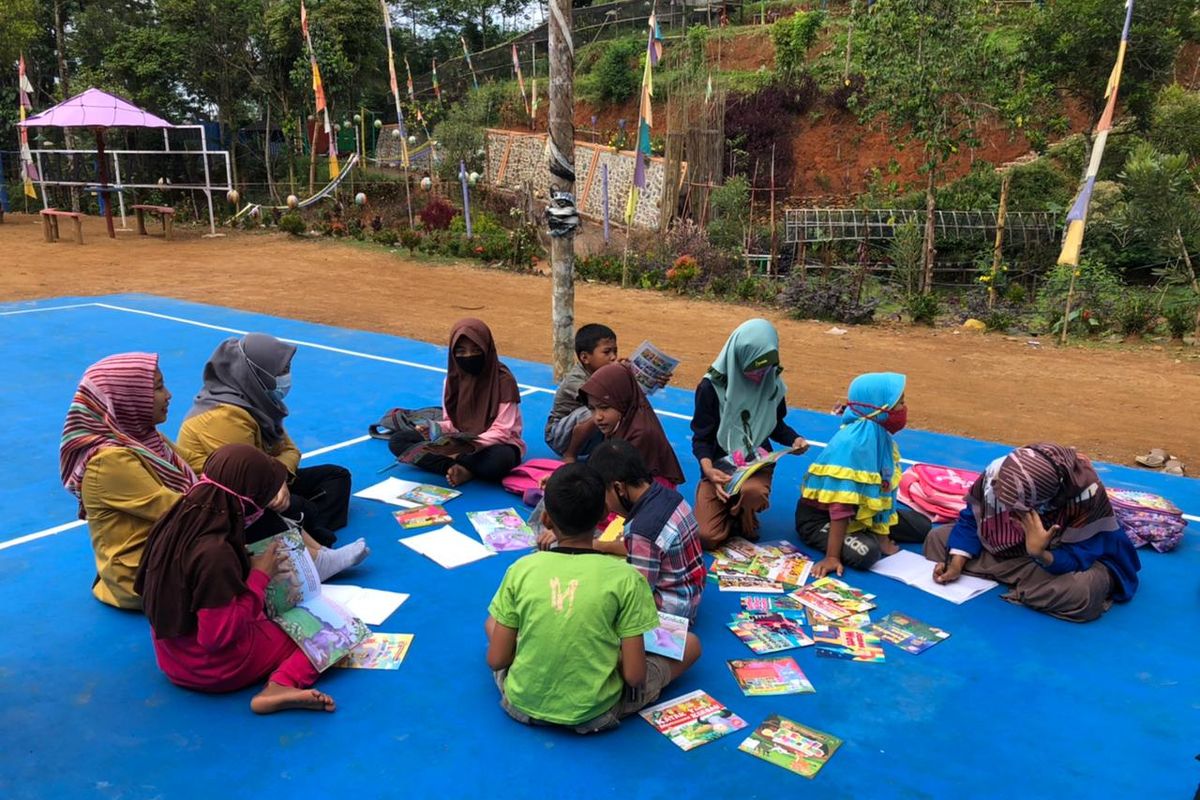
(242, 402)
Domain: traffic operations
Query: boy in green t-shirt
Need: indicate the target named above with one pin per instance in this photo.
(565, 627)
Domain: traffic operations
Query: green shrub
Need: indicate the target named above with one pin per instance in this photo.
(292, 223)
(922, 309)
(730, 205)
(1098, 290)
(386, 237)
(1181, 318)
(615, 78)
(1136, 314)
(792, 37)
(1015, 293)
(826, 301)
(410, 239)
(697, 49)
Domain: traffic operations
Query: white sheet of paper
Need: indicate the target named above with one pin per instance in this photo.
(389, 491)
(913, 569)
(372, 606)
(448, 547)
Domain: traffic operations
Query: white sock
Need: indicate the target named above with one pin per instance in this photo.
(331, 561)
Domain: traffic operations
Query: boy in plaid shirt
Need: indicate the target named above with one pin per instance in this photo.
(661, 538)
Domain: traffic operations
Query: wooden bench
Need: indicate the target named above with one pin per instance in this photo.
(50, 224)
(165, 213)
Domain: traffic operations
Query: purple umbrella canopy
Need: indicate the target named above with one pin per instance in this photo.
(95, 109)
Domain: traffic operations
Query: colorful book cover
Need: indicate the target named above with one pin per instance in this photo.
(791, 570)
(778, 548)
(722, 566)
(651, 367)
(770, 676)
(692, 719)
(818, 603)
(734, 485)
(746, 583)
(420, 517)
(379, 651)
(324, 630)
(843, 594)
(669, 638)
(428, 495)
(502, 530)
(850, 644)
(860, 620)
(910, 635)
(736, 549)
(785, 606)
(769, 633)
(790, 745)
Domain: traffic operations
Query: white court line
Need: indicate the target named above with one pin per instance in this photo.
(47, 308)
(526, 389)
(66, 526)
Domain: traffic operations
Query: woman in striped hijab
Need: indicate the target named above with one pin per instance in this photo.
(123, 471)
(1039, 521)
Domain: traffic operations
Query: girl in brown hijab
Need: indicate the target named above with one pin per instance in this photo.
(203, 594)
(621, 411)
(480, 399)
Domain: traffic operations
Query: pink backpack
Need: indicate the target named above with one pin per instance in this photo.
(937, 492)
(1148, 519)
(526, 479)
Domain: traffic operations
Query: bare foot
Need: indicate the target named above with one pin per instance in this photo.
(277, 697)
(457, 475)
(888, 546)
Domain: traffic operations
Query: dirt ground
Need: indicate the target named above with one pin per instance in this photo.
(1112, 402)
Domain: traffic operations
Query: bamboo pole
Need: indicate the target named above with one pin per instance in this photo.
(561, 126)
(774, 243)
(996, 249)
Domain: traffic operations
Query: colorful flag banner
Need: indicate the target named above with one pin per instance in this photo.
(412, 95)
(1077, 216)
(437, 90)
(319, 93)
(467, 56)
(29, 172)
(395, 84)
(654, 49)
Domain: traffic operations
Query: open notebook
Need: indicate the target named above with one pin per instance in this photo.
(913, 569)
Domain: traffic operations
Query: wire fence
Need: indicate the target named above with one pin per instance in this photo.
(815, 225)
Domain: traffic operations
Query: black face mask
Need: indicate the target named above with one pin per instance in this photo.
(472, 365)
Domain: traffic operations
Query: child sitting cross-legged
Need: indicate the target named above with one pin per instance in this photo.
(565, 627)
(661, 538)
(570, 430)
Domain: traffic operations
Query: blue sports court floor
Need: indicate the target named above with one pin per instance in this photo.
(1014, 704)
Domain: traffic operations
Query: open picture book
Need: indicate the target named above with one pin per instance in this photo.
(319, 625)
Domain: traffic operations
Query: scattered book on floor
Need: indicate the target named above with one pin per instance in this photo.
(422, 517)
(692, 719)
(910, 635)
(861, 619)
(768, 633)
(790, 745)
(372, 606)
(502, 530)
(819, 603)
(651, 367)
(842, 593)
(390, 491)
(379, 651)
(427, 494)
(448, 547)
(746, 583)
(770, 676)
(319, 625)
(913, 569)
(849, 644)
(784, 605)
(669, 638)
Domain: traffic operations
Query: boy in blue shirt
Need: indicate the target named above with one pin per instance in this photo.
(573, 612)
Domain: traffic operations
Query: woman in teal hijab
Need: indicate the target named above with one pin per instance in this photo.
(741, 405)
(847, 504)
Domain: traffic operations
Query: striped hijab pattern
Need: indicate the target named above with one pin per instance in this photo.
(1055, 481)
(114, 407)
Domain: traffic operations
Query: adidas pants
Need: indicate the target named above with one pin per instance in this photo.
(859, 550)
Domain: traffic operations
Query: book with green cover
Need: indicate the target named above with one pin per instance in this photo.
(910, 635)
(788, 744)
(692, 719)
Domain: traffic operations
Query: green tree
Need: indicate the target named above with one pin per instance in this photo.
(18, 29)
(1175, 122)
(932, 72)
(1075, 43)
(1162, 206)
(793, 36)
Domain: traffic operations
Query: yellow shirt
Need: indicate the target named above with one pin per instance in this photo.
(123, 498)
(226, 424)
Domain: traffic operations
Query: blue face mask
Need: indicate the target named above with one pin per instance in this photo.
(283, 385)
